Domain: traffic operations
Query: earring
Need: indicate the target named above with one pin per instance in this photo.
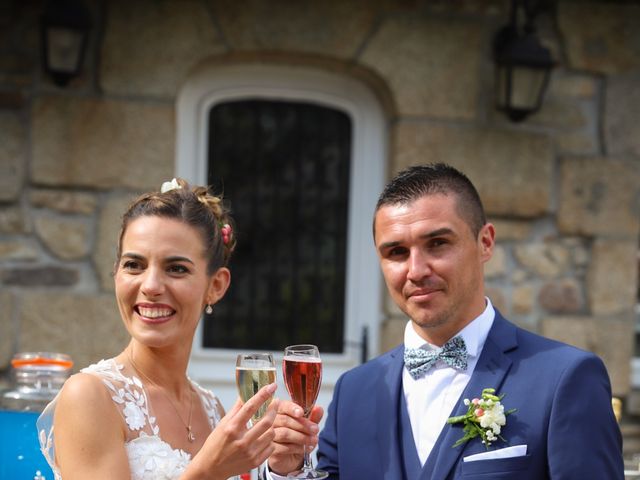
(209, 309)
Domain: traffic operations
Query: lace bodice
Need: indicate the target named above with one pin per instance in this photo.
(150, 457)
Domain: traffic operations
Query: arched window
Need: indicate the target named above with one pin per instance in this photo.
(284, 165)
(301, 154)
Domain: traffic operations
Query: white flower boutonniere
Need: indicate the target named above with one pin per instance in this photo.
(485, 418)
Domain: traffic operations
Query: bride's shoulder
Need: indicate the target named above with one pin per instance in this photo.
(87, 387)
(85, 422)
(83, 388)
(85, 408)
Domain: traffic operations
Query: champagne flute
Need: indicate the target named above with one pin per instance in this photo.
(302, 370)
(254, 371)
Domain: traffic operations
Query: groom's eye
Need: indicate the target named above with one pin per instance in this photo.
(131, 265)
(396, 252)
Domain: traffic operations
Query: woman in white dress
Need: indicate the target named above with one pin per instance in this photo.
(138, 415)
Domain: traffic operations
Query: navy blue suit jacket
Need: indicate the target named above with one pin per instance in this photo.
(564, 416)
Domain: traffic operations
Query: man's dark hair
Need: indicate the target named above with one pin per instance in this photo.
(436, 178)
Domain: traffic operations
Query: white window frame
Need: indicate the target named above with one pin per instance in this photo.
(213, 84)
(635, 361)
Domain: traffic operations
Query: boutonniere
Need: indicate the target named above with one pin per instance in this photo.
(485, 418)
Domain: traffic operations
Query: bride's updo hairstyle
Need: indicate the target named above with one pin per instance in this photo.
(195, 206)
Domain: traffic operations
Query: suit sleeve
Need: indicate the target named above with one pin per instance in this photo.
(584, 439)
(328, 441)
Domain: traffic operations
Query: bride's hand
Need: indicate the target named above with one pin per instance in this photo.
(232, 448)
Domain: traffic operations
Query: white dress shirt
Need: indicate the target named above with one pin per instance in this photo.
(431, 398)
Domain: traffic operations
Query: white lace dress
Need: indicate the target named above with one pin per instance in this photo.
(150, 457)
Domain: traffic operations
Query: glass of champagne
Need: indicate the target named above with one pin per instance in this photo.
(302, 370)
(254, 371)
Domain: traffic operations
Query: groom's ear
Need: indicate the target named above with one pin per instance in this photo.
(486, 241)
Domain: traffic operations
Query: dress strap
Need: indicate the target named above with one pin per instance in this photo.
(211, 404)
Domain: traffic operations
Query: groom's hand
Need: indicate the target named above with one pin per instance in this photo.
(292, 433)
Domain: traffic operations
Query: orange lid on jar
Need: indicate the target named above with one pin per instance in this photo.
(42, 359)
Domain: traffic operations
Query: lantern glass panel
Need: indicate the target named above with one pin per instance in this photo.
(527, 85)
(502, 86)
(64, 49)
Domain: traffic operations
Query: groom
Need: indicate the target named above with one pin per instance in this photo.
(388, 417)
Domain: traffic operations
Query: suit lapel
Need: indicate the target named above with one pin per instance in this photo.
(387, 413)
(490, 371)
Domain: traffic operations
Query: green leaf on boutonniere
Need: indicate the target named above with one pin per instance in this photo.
(485, 418)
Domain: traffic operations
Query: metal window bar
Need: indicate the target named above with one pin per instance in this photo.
(285, 168)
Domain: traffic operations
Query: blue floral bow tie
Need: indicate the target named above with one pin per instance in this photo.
(418, 361)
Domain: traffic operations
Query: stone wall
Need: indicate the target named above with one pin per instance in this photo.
(563, 188)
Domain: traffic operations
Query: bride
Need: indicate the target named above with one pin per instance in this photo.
(138, 415)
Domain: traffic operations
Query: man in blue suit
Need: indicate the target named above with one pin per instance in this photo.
(387, 421)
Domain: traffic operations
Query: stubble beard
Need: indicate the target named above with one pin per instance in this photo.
(432, 314)
(432, 322)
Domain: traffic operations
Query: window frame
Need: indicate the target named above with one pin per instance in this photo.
(213, 84)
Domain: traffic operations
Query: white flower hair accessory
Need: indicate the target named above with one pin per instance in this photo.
(168, 186)
(485, 418)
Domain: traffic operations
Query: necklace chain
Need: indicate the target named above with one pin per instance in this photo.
(190, 436)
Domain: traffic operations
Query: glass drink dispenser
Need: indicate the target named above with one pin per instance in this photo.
(37, 377)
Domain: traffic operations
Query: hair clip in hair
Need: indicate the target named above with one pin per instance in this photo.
(168, 186)
(226, 233)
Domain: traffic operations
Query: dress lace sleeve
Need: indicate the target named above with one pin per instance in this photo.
(44, 424)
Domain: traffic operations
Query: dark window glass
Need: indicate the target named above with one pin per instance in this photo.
(284, 168)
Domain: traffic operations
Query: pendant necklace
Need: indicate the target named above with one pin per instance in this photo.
(190, 436)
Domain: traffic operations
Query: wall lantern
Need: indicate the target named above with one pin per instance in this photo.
(65, 32)
(523, 65)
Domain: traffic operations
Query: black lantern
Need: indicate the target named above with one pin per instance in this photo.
(523, 66)
(65, 32)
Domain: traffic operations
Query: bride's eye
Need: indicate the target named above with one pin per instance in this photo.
(177, 269)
